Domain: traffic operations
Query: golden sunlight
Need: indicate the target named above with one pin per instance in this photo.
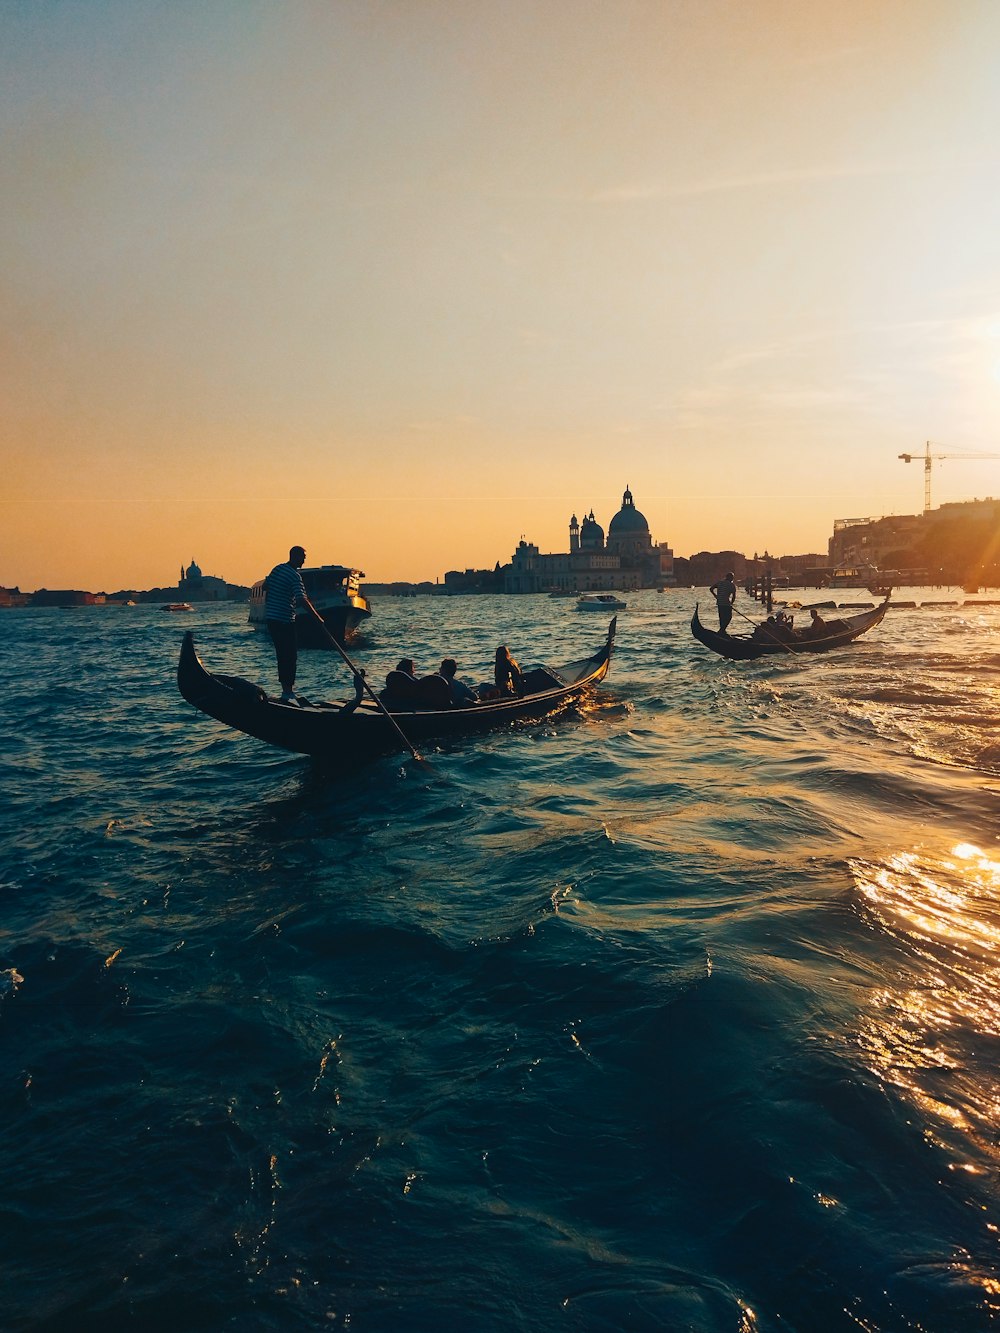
(941, 913)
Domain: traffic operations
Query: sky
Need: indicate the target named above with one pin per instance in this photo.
(405, 281)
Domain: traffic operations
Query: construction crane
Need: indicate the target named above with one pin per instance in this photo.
(929, 458)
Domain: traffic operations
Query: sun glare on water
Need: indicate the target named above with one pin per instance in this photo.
(921, 1030)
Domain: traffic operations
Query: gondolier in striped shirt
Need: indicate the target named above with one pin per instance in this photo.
(724, 593)
(285, 593)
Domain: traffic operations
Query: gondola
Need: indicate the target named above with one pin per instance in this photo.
(744, 647)
(358, 729)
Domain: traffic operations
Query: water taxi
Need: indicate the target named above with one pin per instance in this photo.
(335, 592)
(600, 601)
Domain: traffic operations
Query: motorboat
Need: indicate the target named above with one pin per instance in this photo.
(600, 601)
(335, 592)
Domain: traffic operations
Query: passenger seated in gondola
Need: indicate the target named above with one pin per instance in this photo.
(404, 690)
(401, 684)
(767, 631)
(817, 625)
(433, 692)
(777, 628)
(462, 695)
(507, 674)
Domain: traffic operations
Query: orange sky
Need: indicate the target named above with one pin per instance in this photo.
(405, 283)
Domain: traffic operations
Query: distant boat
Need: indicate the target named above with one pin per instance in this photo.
(860, 576)
(773, 638)
(335, 592)
(600, 601)
(177, 606)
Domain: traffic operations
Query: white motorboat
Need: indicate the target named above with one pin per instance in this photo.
(600, 601)
(335, 591)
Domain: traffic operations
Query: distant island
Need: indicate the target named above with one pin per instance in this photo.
(192, 586)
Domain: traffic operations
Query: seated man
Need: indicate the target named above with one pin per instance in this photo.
(462, 696)
(401, 684)
(403, 690)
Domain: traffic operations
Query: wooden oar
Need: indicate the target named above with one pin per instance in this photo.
(360, 675)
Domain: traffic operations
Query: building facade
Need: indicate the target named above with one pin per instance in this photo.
(625, 560)
(194, 586)
(956, 542)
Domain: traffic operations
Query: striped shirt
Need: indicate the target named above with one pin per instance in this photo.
(285, 590)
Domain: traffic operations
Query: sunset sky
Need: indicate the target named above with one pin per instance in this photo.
(405, 282)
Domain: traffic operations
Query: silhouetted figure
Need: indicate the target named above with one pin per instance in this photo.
(817, 625)
(285, 593)
(507, 674)
(724, 593)
(462, 695)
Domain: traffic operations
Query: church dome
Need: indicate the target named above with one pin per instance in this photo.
(628, 522)
(591, 534)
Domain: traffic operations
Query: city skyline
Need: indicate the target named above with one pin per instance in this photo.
(976, 534)
(76, 561)
(407, 283)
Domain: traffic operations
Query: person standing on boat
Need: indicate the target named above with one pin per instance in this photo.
(285, 593)
(724, 593)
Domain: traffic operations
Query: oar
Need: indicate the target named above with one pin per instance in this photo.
(360, 675)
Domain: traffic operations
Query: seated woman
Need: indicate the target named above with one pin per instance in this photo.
(507, 674)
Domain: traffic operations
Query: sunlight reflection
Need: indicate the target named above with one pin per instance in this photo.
(924, 1031)
(748, 1319)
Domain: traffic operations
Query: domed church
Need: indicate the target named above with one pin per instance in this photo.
(586, 536)
(628, 534)
(194, 586)
(628, 559)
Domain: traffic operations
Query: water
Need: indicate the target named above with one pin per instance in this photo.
(680, 1013)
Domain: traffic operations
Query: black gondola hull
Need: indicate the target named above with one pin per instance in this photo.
(338, 734)
(743, 648)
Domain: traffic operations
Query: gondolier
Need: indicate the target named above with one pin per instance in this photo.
(285, 593)
(772, 637)
(724, 593)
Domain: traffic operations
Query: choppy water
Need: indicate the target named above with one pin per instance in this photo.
(682, 1013)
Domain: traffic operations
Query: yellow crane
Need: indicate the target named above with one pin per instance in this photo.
(929, 458)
